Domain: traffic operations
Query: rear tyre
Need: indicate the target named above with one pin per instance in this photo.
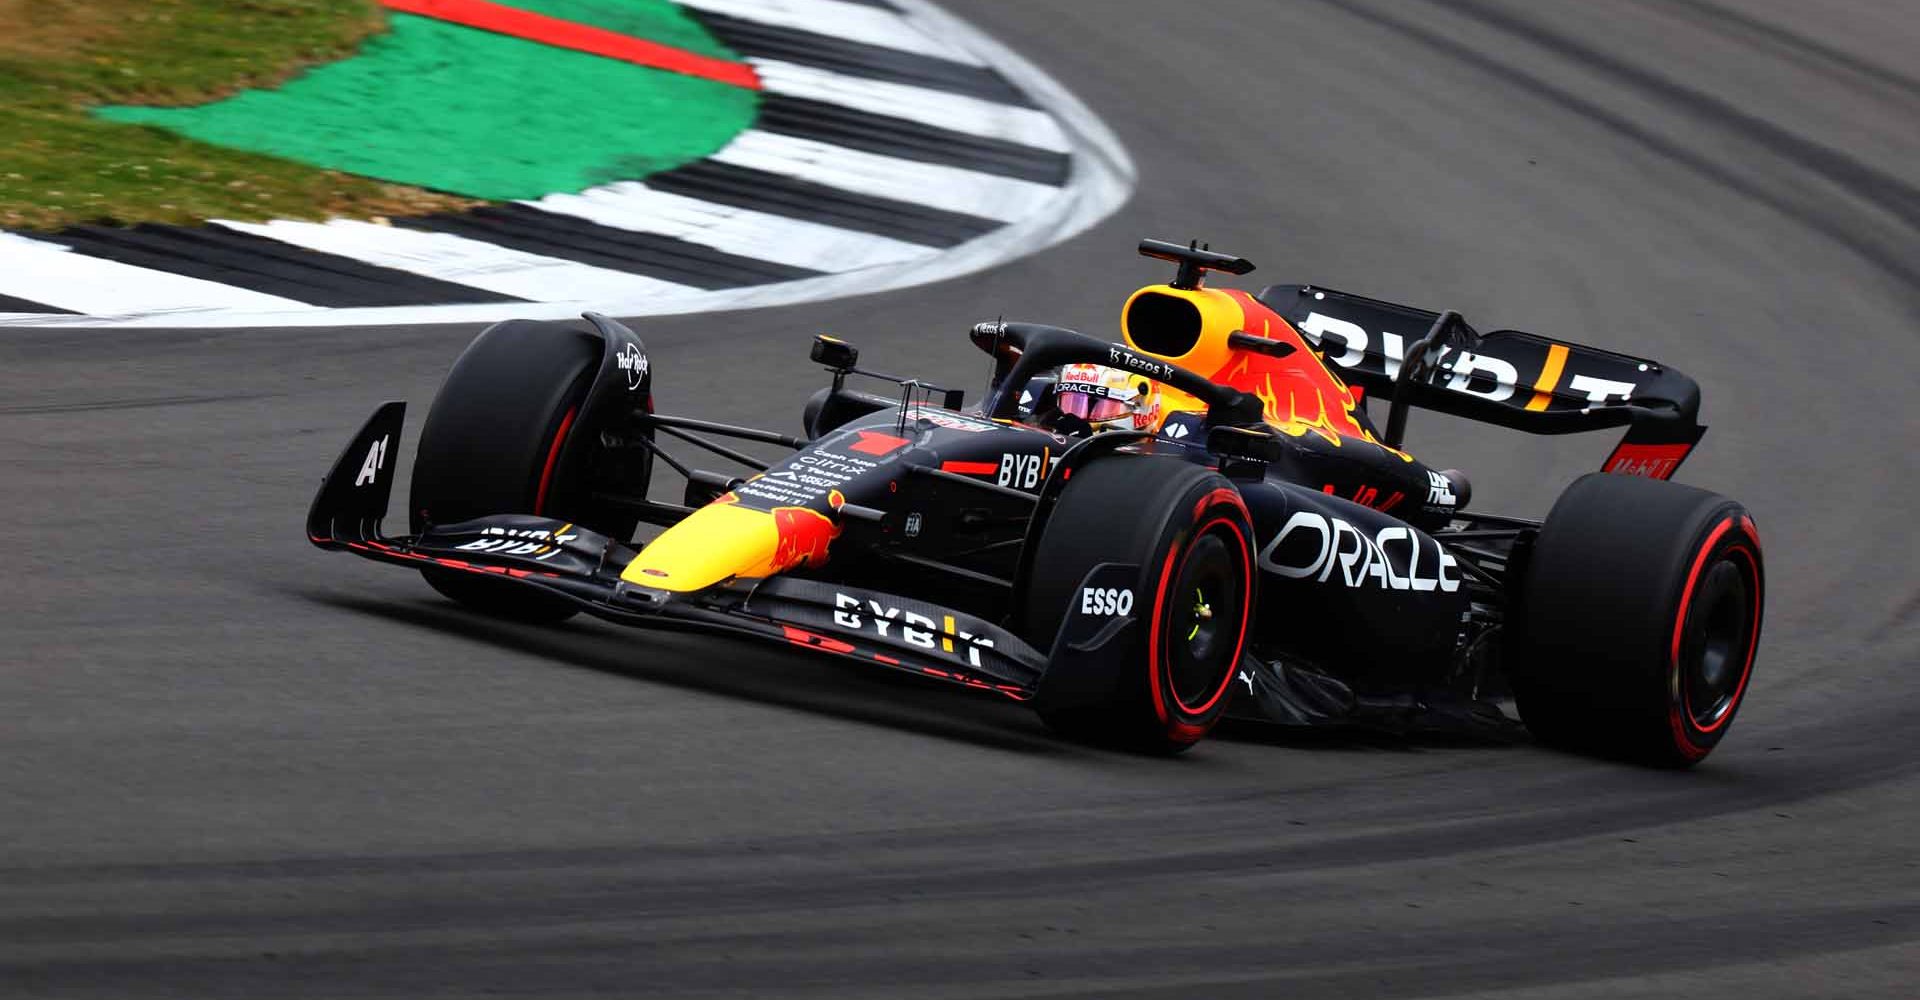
(491, 445)
(1165, 682)
(1639, 616)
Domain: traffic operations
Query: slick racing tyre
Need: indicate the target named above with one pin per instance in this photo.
(1639, 615)
(491, 445)
(1161, 683)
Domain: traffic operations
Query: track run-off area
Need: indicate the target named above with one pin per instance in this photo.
(232, 766)
(638, 158)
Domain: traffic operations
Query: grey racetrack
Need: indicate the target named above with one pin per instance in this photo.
(234, 766)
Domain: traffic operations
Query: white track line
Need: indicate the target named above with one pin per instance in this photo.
(633, 206)
(949, 188)
(1102, 179)
(54, 275)
(851, 21)
(956, 112)
(462, 261)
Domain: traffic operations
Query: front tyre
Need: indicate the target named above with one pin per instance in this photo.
(1639, 617)
(491, 445)
(1162, 683)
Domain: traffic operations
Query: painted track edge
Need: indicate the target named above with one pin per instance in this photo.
(1100, 180)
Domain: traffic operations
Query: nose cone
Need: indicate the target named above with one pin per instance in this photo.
(724, 540)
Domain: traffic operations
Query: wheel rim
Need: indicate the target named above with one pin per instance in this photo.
(1204, 621)
(1717, 646)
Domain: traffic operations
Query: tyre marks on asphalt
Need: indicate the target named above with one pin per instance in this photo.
(1808, 181)
(877, 144)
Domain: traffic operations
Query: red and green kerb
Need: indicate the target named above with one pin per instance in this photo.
(497, 100)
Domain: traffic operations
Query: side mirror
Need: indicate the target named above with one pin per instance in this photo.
(835, 353)
(1243, 409)
(1249, 444)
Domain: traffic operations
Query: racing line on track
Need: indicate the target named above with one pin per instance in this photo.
(893, 145)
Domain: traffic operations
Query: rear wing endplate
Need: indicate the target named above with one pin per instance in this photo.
(1435, 361)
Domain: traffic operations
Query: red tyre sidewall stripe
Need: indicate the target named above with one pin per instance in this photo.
(1153, 637)
(553, 457)
(1753, 643)
(1226, 496)
(1246, 595)
(1679, 713)
(1183, 730)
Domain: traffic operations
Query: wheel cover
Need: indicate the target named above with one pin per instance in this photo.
(1716, 648)
(1205, 617)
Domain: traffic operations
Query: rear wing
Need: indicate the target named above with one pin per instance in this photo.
(1435, 361)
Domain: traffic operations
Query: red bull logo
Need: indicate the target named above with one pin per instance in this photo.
(804, 536)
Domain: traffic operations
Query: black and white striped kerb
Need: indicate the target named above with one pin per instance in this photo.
(884, 141)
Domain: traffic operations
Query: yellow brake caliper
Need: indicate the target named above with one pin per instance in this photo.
(1201, 612)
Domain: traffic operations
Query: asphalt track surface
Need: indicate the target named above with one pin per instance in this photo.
(231, 765)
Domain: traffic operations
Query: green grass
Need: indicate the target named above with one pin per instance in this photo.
(59, 58)
(474, 113)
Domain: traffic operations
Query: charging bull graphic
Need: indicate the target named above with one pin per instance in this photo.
(804, 536)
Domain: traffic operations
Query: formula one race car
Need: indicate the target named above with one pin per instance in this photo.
(1130, 536)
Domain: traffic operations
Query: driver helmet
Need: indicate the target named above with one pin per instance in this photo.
(1106, 398)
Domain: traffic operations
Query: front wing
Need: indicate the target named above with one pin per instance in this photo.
(581, 566)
